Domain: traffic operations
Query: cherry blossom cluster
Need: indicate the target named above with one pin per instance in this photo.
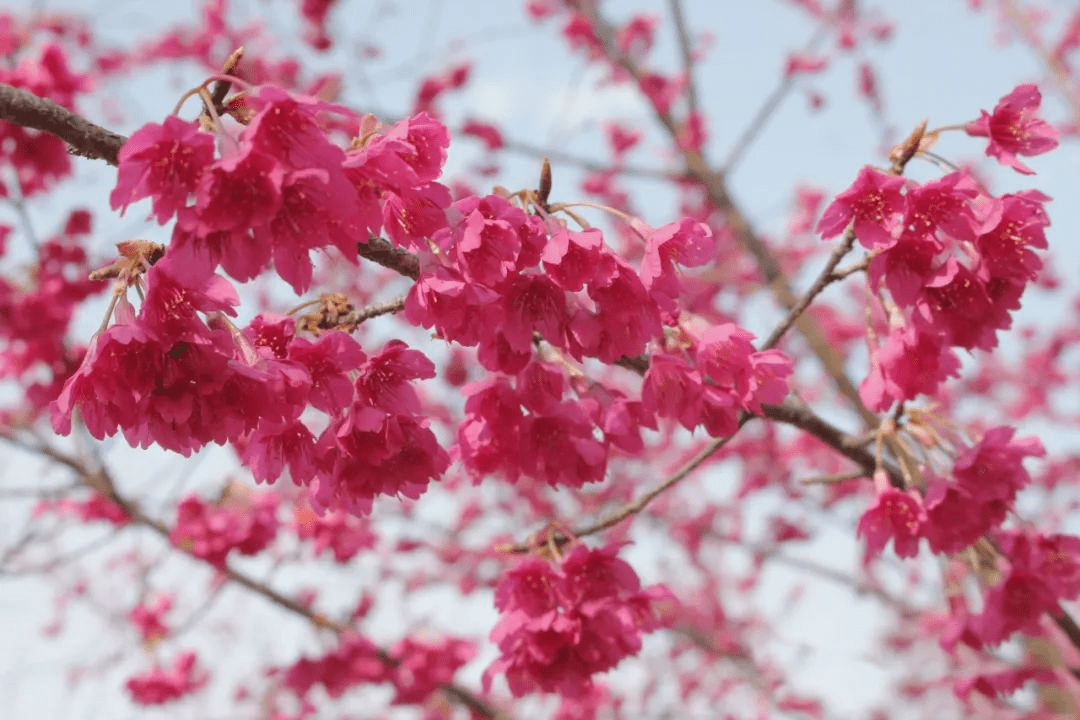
(492, 276)
(955, 261)
(38, 158)
(160, 685)
(954, 258)
(349, 426)
(179, 374)
(953, 513)
(486, 287)
(415, 668)
(562, 624)
(211, 531)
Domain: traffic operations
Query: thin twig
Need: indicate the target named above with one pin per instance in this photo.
(565, 158)
(768, 108)
(372, 311)
(686, 49)
(823, 280)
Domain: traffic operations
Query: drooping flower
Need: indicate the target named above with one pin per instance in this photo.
(894, 515)
(955, 518)
(875, 202)
(1005, 251)
(488, 438)
(909, 363)
(380, 444)
(672, 389)
(572, 259)
(163, 162)
(158, 685)
(686, 242)
(559, 447)
(956, 304)
(626, 316)
(562, 625)
(1016, 604)
(993, 468)
(247, 524)
(287, 128)
(1015, 129)
(236, 193)
(950, 207)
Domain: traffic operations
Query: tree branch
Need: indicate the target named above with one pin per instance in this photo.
(83, 137)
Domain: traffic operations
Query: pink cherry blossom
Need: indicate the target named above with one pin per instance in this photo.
(422, 667)
(686, 242)
(344, 535)
(1016, 604)
(894, 515)
(572, 259)
(1015, 129)
(875, 203)
(354, 661)
(488, 436)
(955, 518)
(163, 162)
(148, 618)
(993, 468)
(562, 625)
(1005, 251)
(158, 685)
(486, 132)
(245, 524)
(911, 362)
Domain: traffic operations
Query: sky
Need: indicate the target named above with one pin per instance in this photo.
(941, 63)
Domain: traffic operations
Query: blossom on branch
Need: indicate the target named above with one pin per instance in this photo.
(561, 625)
(1015, 129)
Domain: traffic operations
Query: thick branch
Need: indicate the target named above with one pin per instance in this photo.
(84, 137)
(382, 252)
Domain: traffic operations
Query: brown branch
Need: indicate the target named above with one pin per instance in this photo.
(823, 280)
(382, 252)
(82, 136)
(686, 51)
(788, 413)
